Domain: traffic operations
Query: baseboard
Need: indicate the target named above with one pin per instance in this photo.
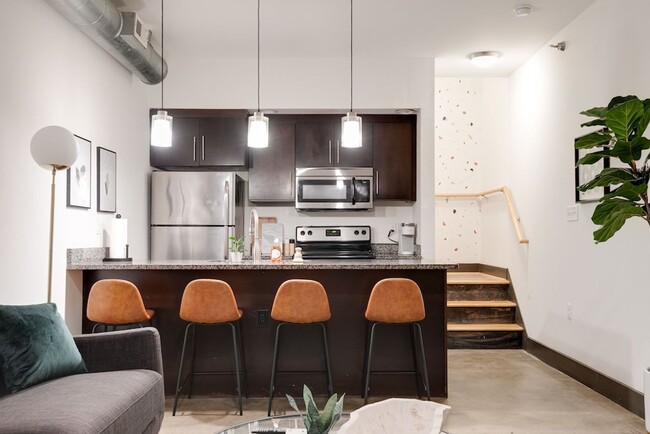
(611, 389)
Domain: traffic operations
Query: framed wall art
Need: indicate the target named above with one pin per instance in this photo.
(106, 180)
(79, 176)
(585, 173)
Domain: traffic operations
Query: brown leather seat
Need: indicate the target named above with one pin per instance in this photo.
(300, 302)
(396, 301)
(211, 302)
(116, 302)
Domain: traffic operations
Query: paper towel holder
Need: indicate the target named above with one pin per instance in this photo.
(126, 253)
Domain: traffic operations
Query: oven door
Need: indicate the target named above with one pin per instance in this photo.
(333, 193)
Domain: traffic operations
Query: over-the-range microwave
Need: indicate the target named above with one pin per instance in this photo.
(334, 188)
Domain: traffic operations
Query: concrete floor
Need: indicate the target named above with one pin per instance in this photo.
(490, 392)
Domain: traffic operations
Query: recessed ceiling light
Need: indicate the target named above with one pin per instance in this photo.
(523, 10)
(484, 59)
(406, 111)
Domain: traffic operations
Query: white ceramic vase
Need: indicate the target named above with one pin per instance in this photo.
(236, 256)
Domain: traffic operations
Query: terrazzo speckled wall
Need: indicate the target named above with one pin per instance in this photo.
(457, 169)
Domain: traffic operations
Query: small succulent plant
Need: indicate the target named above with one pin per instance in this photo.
(237, 244)
(318, 422)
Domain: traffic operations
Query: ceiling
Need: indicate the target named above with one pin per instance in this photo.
(447, 30)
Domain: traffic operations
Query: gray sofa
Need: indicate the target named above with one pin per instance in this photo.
(121, 393)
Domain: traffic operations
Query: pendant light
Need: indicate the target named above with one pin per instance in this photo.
(258, 124)
(351, 123)
(161, 122)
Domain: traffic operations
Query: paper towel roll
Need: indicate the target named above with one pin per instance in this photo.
(118, 238)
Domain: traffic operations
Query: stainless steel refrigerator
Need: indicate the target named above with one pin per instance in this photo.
(194, 213)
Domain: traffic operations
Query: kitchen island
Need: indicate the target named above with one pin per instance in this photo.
(348, 285)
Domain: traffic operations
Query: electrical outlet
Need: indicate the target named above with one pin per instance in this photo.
(569, 311)
(262, 317)
(572, 213)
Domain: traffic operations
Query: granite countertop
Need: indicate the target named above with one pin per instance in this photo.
(366, 264)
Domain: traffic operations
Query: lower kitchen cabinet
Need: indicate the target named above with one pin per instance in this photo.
(394, 159)
(271, 173)
(204, 138)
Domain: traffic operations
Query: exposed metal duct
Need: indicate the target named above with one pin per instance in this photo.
(103, 23)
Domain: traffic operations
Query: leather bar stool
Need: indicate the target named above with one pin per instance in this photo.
(300, 302)
(396, 301)
(209, 302)
(116, 302)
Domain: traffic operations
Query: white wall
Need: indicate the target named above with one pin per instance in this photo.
(320, 84)
(606, 55)
(53, 74)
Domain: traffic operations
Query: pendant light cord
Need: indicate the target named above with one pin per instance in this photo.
(258, 55)
(351, 51)
(162, 54)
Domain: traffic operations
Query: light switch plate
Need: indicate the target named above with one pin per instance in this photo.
(572, 213)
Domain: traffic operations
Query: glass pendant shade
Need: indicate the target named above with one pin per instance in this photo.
(161, 130)
(351, 131)
(258, 131)
(54, 147)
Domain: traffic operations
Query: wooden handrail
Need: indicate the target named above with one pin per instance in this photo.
(516, 221)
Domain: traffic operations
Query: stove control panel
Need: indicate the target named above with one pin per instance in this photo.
(343, 234)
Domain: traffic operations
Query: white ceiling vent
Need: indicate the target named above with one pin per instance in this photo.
(132, 25)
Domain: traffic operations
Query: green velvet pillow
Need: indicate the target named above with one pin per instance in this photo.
(35, 346)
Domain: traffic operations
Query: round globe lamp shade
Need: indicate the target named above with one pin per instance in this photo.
(54, 147)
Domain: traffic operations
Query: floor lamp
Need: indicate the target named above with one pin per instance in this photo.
(53, 148)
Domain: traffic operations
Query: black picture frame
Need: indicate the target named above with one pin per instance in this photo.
(587, 172)
(106, 180)
(79, 176)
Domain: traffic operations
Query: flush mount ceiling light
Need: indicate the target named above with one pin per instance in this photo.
(161, 122)
(484, 59)
(258, 124)
(523, 10)
(351, 123)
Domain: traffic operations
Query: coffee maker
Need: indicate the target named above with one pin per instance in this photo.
(406, 240)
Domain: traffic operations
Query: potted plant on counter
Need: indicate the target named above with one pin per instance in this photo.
(318, 422)
(236, 248)
(622, 125)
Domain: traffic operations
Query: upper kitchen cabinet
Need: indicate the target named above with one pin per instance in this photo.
(204, 138)
(271, 173)
(394, 140)
(318, 144)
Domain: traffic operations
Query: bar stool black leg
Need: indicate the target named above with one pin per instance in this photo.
(416, 368)
(275, 359)
(330, 388)
(191, 386)
(367, 385)
(243, 357)
(424, 362)
(236, 356)
(365, 359)
(180, 370)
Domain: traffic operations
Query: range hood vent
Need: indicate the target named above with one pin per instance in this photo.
(103, 23)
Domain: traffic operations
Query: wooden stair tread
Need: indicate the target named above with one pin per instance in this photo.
(470, 277)
(481, 303)
(456, 327)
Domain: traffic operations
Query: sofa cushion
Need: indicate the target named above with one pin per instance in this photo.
(35, 346)
(121, 402)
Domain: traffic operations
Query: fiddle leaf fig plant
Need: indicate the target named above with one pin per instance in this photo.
(621, 136)
(318, 422)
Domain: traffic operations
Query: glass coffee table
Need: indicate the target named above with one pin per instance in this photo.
(277, 424)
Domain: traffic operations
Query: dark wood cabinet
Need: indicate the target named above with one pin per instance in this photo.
(318, 144)
(271, 173)
(205, 138)
(395, 159)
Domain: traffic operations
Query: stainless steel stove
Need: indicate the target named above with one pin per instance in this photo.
(334, 242)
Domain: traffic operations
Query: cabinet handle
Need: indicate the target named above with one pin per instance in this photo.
(338, 148)
(330, 145)
(290, 183)
(377, 182)
(194, 149)
(202, 148)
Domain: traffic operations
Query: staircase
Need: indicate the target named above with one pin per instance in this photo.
(481, 312)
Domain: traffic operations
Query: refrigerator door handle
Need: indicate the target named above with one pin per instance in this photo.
(226, 201)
